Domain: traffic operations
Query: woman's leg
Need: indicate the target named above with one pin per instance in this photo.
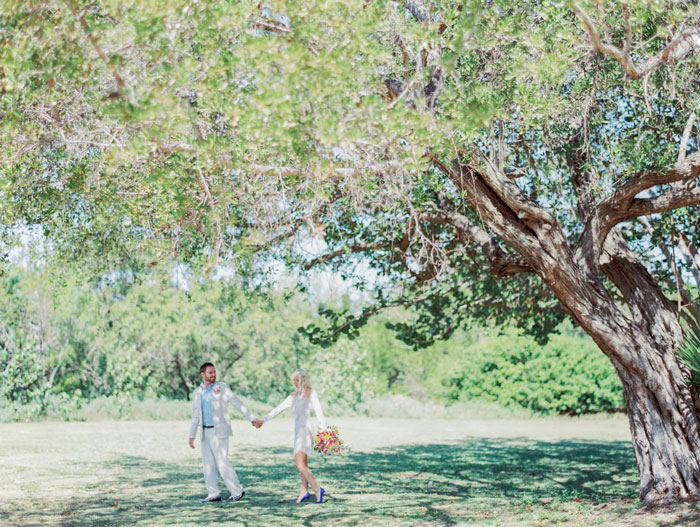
(301, 462)
(304, 488)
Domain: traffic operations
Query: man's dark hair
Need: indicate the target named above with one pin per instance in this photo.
(204, 367)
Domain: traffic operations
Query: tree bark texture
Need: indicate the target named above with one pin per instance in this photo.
(664, 427)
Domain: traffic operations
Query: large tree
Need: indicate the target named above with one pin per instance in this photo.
(506, 159)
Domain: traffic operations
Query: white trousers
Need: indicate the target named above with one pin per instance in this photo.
(214, 462)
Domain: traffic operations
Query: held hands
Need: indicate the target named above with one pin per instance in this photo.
(257, 423)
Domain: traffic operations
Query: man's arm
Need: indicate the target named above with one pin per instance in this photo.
(196, 418)
(238, 404)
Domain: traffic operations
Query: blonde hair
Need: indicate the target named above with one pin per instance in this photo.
(303, 380)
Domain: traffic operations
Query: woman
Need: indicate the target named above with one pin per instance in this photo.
(301, 402)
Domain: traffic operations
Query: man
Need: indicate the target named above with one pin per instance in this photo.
(210, 414)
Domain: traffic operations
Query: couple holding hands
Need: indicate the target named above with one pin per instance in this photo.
(210, 415)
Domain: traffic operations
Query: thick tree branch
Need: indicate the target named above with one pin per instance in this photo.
(650, 307)
(622, 205)
(672, 200)
(516, 220)
(526, 209)
(687, 170)
(490, 207)
(681, 45)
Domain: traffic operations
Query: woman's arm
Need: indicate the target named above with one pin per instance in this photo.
(287, 403)
(316, 404)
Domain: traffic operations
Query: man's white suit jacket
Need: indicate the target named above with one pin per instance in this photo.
(221, 396)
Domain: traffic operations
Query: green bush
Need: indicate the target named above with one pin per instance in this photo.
(569, 375)
(70, 349)
(50, 405)
(340, 374)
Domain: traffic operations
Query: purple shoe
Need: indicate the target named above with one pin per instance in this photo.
(322, 493)
(304, 497)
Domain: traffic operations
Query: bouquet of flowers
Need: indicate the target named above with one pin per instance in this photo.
(327, 441)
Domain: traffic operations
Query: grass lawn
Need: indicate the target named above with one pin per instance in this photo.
(401, 472)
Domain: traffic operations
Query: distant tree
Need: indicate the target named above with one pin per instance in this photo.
(506, 159)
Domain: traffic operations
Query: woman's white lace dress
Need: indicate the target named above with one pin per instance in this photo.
(303, 428)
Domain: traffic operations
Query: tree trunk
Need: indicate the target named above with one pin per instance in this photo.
(664, 427)
(663, 419)
(639, 335)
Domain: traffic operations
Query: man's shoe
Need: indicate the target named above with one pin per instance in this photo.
(209, 499)
(231, 499)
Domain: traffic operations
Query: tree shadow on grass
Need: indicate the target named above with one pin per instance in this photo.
(685, 519)
(438, 484)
